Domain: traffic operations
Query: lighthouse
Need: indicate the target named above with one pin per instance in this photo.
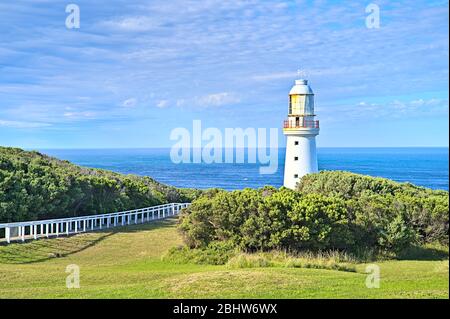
(301, 129)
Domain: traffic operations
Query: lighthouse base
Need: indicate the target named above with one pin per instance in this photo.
(301, 158)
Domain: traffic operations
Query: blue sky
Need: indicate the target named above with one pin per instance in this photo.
(135, 70)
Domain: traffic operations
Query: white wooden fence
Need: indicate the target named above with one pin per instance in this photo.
(73, 225)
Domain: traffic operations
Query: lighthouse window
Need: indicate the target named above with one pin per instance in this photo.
(295, 175)
(309, 105)
(296, 143)
(297, 104)
(296, 158)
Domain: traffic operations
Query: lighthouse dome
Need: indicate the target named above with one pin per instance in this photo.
(301, 87)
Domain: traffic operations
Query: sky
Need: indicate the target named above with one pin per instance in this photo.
(136, 70)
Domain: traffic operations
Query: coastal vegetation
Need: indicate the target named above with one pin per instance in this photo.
(313, 242)
(35, 186)
(329, 211)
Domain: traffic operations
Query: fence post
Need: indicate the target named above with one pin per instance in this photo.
(8, 234)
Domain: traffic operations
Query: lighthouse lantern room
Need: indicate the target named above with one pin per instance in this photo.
(301, 129)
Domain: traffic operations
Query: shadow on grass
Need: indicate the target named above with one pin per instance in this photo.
(45, 249)
(426, 253)
(40, 250)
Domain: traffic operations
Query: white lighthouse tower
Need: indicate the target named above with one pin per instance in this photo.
(300, 129)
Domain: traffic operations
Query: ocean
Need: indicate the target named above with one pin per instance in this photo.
(421, 166)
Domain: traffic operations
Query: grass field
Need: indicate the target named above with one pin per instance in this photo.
(126, 263)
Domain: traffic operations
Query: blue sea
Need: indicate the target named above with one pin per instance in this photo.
(421, 166)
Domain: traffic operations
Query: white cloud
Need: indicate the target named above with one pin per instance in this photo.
(129, 103)
(218, 99)
(417, 108)
(80, 115)
(133, 23)
(21, 124)
(162, 104)
(275, 76)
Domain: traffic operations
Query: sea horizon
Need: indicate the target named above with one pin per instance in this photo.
(422, 166)
(167, 147)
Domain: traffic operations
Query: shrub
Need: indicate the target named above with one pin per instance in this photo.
(358, 214)
(397, 236)
(351, 185)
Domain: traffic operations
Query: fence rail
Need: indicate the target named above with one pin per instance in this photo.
(21, 231)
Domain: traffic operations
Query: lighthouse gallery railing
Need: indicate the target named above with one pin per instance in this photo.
(301, 124)
(73, 225)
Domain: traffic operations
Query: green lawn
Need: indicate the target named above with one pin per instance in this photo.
(126, 263)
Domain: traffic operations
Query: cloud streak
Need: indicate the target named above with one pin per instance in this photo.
(22, 125)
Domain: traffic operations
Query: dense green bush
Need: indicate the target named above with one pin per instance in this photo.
(350, 185)
(35, 186)
(378, 201)
(351, 213)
